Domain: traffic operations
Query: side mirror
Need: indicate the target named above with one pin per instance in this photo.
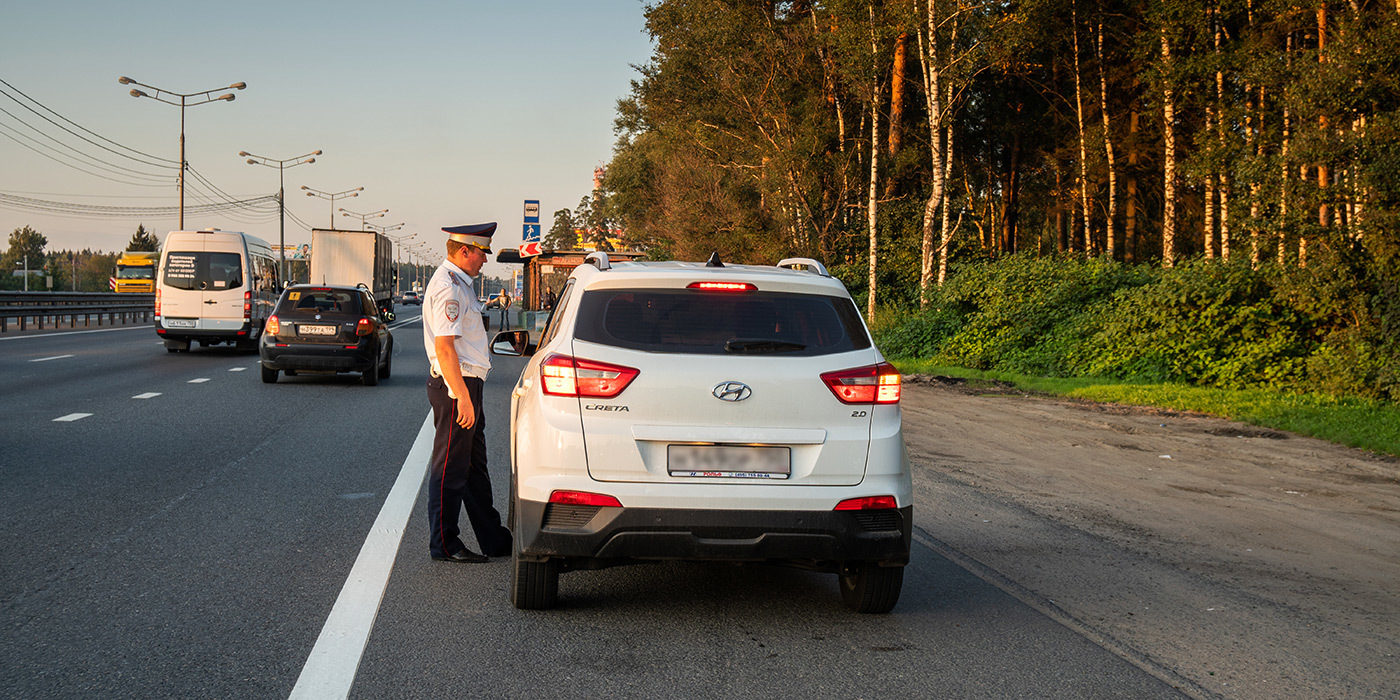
(512, 344)
(389, 316)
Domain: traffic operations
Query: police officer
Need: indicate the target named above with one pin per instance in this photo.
(455, 339)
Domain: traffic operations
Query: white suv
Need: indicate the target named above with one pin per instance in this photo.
(707, 412)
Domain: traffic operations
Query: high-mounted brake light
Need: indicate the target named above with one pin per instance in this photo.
(867, 503)
(562, 375)
(723, 286)
(877, 384)
(273, 325)
(364, 327)
(584, 498)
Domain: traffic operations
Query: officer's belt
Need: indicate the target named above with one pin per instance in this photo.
(432, 369)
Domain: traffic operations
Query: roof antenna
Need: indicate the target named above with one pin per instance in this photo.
(714, 260)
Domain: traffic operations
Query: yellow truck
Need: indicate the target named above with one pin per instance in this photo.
(136, 272)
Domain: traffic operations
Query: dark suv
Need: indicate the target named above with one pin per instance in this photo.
(327, 328)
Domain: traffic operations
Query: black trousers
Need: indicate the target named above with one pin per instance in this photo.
(457, 477)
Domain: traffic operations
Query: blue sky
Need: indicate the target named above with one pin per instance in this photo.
(446, 111)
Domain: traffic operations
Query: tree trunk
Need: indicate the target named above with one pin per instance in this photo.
(946, 236)
(1110, 236)
(873, 202)
(1083, 147)
(901, 47)
(1324, 171)
(1168, 160)
(933, 91)
(1287, 167)
(1010, 215)
(1130, 229)
(1223, 188)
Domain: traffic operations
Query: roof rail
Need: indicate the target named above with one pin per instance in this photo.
(598, 259)
(804, 264)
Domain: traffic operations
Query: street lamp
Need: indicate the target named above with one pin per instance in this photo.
(281, 165)
(167, 97)
(332, 196)
(397, 241)
(362, 217)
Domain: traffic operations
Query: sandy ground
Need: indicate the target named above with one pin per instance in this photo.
(1232, 561)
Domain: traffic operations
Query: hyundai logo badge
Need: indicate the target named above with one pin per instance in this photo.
(732, 391)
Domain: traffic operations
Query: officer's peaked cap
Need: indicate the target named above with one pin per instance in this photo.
(478, 235)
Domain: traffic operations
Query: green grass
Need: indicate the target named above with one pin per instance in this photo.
(1355, 422)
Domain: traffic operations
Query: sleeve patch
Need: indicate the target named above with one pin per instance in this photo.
(452, 309)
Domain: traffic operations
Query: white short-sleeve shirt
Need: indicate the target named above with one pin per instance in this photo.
(450, 307)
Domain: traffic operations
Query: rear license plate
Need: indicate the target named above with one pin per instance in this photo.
(729, 461)
(179, 323)
(307, 329)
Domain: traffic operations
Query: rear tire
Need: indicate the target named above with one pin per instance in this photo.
(388, 362)
(534, 584)
(867, 587)
(269, 376)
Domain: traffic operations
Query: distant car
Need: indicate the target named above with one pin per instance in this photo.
(411, 297)
(707, 412)
(327, 328)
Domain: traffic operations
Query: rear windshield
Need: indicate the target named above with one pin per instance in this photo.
(200, 270)
(714, 323)
(319, 301)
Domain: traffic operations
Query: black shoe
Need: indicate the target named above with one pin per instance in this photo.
(465, 556)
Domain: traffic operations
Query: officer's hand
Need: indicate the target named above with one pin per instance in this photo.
(466, 415)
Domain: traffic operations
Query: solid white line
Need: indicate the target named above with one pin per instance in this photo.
(79, 416)
(55, 357)
(144, 327)
(330, 670)
(147, 395)
(201, 380)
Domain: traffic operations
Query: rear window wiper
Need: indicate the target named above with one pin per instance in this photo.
(753, 346)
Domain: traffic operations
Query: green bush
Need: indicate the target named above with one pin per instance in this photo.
(1026, 314)
(1204, 322)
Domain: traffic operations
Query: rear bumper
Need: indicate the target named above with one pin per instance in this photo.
(306, 356)
(593, 537)
(220, 334)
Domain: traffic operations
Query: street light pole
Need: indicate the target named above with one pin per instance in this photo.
(385, 231)
(206, 97)
(281, 166)
(363, 217)
(332, 196)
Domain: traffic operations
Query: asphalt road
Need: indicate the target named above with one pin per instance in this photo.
(189, 536)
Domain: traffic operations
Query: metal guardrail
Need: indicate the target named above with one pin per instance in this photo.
(53, 309)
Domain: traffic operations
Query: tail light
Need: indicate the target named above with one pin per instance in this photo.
(157, 302)
(584, 498)
(867, 503)
(568, 376)
(878, 384)
(274, 325)
(364, 327)
(247, 306)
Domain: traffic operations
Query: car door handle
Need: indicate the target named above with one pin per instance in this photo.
(210, 301)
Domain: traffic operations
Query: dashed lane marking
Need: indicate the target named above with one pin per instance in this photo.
(46, 359)
(71, 417)
(200, 380)
(330, 669)
(147, 395)
(237, 369)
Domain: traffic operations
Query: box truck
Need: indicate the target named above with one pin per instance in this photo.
(354, 258)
